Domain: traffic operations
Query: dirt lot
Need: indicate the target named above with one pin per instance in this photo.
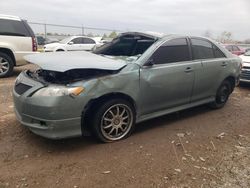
(198, 147)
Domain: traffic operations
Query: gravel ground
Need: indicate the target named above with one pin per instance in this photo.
(196, 148)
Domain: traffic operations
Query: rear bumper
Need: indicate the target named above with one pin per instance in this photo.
(48, 50)
(245, 80)
(245, 75)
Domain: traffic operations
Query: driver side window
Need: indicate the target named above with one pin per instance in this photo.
(77, 40)
(175, 50)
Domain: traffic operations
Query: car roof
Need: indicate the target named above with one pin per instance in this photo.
(9, 17)
(154, 35)
(157, 35)
(76, 36)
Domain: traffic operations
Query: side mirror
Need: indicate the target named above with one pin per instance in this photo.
(70, 43)
(149, 63)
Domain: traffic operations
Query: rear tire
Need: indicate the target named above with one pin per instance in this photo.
(6, 65)
(222, 95)
(114, 120)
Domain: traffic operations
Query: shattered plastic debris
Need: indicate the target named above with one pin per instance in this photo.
(202, 159)
(106, 172)
(180, 135)
(221, 135)
(177, 170)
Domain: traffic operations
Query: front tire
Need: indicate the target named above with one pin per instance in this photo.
(6, 65)
(60, 50)
(114, 120)
(222, 95)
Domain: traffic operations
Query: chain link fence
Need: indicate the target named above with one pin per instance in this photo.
(48, 30)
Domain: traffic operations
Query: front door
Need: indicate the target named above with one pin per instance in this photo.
(169, 81)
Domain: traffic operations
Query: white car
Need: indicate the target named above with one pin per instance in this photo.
(245, 72)
(73, 43)
(16, 40)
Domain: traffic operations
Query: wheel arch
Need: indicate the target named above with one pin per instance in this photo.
(232, 81)
(10, 53)
(60, 50)
(89, 109)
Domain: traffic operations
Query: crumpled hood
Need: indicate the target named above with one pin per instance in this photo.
(64, 61)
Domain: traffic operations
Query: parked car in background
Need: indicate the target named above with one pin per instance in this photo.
(74, 43)
(247, 49)
(234, 49)
(16, 40)
(245, 71)
(49, 40)
(40, 40)
(134, 78)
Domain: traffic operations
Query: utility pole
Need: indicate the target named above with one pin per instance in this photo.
(45, 30)
(82, 30)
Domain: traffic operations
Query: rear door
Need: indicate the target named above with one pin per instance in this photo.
(212, 68)
(169, 81)
(87, 44)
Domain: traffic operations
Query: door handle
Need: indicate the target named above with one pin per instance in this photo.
(188, 69)
(224, 64)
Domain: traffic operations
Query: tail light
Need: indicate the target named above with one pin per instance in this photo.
(34, 44)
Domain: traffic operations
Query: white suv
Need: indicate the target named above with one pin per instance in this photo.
(16, 40)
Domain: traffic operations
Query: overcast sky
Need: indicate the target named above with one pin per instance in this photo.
(168, 16)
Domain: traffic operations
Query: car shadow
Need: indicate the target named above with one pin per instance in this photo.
(71, 144)
(169, 119)
(244, 85)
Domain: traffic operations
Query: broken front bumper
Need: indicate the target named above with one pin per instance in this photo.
(50, 117)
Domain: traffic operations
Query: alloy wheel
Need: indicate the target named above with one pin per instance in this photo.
(116, 122)
(4, 66)
(223, 94)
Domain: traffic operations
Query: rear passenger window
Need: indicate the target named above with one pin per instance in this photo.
(218, 53)
(202, 49)
(88, 41)
(13, 28)
(175, 50)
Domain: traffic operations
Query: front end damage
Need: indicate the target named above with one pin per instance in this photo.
(57, 116)
(67, 77)
(51, 101)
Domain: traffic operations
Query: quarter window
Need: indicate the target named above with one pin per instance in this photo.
(13, 28)
(202, 49)
(175, 50)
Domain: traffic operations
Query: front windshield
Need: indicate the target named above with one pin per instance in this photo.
(126, 45)
(64, 41)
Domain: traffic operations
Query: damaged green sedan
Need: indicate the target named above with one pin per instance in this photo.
(136, 77)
